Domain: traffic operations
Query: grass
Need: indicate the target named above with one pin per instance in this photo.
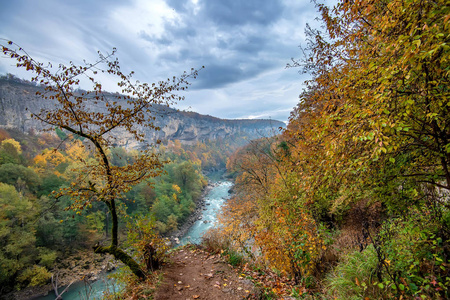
(352, 277)
(235, 259)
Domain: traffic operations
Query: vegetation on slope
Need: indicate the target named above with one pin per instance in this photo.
(352, 199)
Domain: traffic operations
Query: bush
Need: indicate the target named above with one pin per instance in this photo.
(352, 277)
(234, 258)
(215, 242)
(415, 251)
(47, 257)
(34, 276)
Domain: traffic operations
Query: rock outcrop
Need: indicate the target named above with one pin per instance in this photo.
(18, 100)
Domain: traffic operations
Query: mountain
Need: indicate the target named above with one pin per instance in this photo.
(18, 100)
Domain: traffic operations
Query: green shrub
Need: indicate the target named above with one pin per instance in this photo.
(34, 276)
(352, 277)
(234, 258)
(415, 250)
(47, 257)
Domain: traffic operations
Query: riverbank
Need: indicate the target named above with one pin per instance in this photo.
(175, 236)
(78, 266)
(84, 264)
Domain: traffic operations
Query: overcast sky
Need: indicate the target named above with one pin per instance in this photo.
(243, 44)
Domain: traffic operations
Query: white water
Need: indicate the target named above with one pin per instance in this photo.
(214, 200)
(213, 203)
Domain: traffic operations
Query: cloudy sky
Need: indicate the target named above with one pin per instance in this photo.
(243, 44)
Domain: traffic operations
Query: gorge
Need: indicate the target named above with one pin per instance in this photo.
(18, 100)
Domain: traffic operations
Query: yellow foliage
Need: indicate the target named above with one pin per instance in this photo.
(48, 161)
(76, 150)
(15, 144)
(176, 188)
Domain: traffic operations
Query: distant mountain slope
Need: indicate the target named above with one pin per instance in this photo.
(18, 99)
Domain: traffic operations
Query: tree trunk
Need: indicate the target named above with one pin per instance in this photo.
(113, 249)
(121, 255)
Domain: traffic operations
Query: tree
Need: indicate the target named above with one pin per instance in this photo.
(10, 151)
(380, 86)
(95, 116)
(19, 176)
(372, 128)
(16, 234)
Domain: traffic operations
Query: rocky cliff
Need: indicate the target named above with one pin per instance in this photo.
(18, 100)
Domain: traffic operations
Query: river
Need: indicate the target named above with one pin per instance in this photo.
(214, 200)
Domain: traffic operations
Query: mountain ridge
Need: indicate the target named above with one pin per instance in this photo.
(18, 100)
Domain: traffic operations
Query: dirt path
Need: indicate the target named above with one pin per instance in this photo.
(195, 274)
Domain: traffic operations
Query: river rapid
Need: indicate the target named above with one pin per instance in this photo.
(213, 201)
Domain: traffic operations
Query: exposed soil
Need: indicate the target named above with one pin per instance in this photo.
(196, 274)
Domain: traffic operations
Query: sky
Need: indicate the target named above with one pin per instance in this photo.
(244, 46)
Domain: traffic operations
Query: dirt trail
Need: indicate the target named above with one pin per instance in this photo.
(195, 274)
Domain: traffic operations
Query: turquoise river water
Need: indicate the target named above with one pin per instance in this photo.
(214, 200)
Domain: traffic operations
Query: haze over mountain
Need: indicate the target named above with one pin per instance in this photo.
(18, 100)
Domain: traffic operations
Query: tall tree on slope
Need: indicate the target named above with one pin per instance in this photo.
(96, 116)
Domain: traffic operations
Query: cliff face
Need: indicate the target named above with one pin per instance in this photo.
(18, 100)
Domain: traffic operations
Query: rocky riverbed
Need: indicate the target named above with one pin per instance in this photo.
(79, 265)
(175, 236)
(86, 265)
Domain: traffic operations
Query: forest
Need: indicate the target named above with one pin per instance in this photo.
(350, 201)
(39, 231)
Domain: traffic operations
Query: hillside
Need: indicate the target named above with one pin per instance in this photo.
(18, 100)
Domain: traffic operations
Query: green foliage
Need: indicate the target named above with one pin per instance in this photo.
(10, 152)
(19, 176)
(17, 238)
(171, 197)
(144, 241)
(353, 277)
(34, 276)
(234, 258)
(163, 208)
(49, 184)
(46, 257)
(414, 256)
(95, 221)
(120, 157)
(61, 134)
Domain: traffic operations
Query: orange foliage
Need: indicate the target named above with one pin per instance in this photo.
(48, 161)
(4, 134)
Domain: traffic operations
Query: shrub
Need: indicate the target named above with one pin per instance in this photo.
(352, 277)
(34, 276)
(234, 258)
(47, 257)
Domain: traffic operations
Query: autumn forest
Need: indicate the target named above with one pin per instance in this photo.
(349, 201)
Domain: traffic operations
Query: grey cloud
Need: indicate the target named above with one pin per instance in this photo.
(251, 44)
(165, 41)
(178, 5)
(181, 30)
(216, 75)
(201, 38)
(144, 35)
(238, 12)
(238, 41)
